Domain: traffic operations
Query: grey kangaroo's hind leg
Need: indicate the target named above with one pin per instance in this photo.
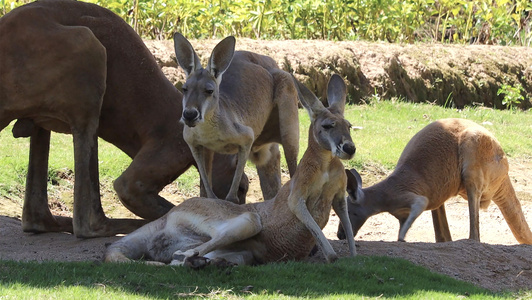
(269, 170)
(287, 105)
(36, 215)
(441, 227)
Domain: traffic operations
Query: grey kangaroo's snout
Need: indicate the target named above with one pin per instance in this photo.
(191, 116)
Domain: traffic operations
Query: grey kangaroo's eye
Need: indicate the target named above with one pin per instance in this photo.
(210, 92)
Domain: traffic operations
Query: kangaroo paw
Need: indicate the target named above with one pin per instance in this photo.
(179, 257)
(196, 262)
(222, 263)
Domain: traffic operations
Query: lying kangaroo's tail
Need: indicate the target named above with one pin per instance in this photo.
(511, 209)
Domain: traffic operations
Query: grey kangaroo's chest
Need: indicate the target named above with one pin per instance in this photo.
(219, 137)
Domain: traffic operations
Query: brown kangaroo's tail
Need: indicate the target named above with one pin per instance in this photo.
(511, 209)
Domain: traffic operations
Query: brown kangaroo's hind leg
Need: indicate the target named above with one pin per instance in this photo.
(441, 227)
(36, 215)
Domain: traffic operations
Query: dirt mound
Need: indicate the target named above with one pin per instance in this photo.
(456, 75)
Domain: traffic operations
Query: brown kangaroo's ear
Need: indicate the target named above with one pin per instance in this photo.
(354, 183)
(185, 54)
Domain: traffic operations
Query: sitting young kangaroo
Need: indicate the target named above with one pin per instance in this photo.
(448, 157)
(285, 228)
(253, 106)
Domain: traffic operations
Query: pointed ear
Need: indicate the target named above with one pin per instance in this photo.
(185, 54)
(336, 93)
(309, 101)
(354, 183)
(221, 57)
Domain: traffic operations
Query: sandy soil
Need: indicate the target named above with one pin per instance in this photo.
(498, 263)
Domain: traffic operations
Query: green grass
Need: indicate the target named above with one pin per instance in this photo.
(348, 278)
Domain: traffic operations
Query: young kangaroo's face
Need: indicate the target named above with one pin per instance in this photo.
(332, 132)
(330, 129)
(200, 91)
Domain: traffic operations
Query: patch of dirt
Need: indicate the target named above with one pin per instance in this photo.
(498, 263)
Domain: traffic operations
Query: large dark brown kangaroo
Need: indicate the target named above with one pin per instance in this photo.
(448, 157)
(74, 67)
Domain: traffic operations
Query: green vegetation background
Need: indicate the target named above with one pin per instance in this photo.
(505, 22)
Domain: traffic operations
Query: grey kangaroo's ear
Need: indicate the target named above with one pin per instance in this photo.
(221, 57)
(336, 94)
(185, 54)
(354, 183)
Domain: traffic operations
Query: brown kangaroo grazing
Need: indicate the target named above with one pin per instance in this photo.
(284, 228)
(448, 157)
(253, 106)
(73, 67)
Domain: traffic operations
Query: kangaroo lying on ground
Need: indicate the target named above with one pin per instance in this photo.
(448, 157)
(253, 106)
(74, 67)
(284, 228)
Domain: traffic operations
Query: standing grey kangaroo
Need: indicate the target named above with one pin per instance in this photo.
(74, 67)
(448, 157)
(253, 106)
(284, 228)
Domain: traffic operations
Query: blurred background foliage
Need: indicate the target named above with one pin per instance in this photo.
(501, 22)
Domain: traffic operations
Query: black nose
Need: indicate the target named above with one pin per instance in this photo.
(190, 114)
(349, 148)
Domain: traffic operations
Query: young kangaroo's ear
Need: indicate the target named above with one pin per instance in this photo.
(336, 93)
(309, 101)
(354, 184)
(185, 54)
(221, 57)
